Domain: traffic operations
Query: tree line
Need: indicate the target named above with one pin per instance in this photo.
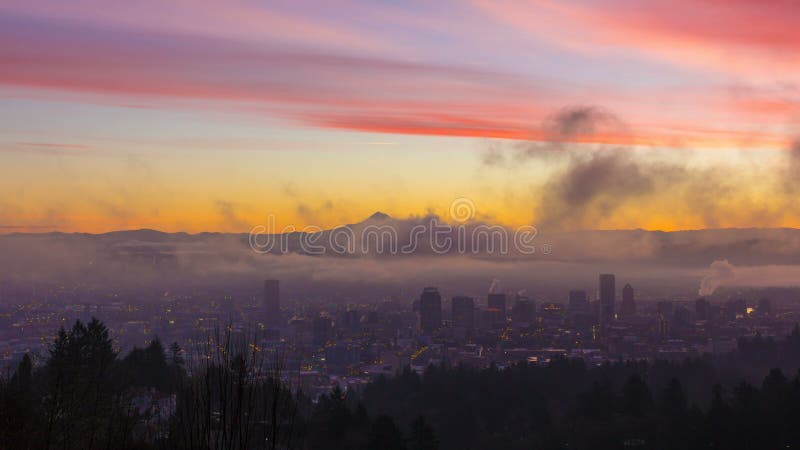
(230, 394)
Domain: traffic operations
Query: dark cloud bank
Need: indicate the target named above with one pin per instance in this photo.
(762, 257)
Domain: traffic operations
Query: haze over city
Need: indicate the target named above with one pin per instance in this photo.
(369, 224)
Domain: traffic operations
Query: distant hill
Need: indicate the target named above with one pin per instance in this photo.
(397, 236)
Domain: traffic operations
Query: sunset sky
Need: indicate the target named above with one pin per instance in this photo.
(208, 116)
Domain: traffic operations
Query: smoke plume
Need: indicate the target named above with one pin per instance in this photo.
(720, 272)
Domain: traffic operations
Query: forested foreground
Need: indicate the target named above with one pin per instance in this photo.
(85, 396)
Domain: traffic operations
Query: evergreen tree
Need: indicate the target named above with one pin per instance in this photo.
(422, 436)
(79, 401)
(176, 355)
(636, 397)
(384, 435)
(672, 402)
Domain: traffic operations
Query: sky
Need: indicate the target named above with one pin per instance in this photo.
(210, 116)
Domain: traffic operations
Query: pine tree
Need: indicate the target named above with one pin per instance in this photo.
(384, 435)
(422, 436)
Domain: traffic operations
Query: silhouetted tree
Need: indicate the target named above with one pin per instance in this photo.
(175, 353)
(385, 435)
(21, 381)
(233, 397)
(636, 397)
(82, 406)
(18, 413)
(148, 367)
(422, 436)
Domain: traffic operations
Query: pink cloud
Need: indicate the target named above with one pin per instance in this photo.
(290, 83)
(759, 40)
(235, 19)
(334, 89)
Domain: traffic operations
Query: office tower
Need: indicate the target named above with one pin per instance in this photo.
(701, 309)
(272, 302)
(628, 303)
(578, 302)
(430, 310)
(552, 313)
(608, 295)
(764, 307)
(322, 329)
(580, 310)
(663, 326)
(349, 319)
(664, 308)
(681, 316)
(735, 309)
(522, 312)
(463, 312)
(497, 303)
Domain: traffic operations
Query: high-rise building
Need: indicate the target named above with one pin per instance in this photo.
(581, 312)
(522, 312)
(552, 314)
(764, 307)
(628, 303)
(663, 326)
(701, 309)
(349, 319)
(430, 310)
(608, 294)
(681, 316)
(578, 302)
(665, 308)
(498, 302)
(736, 308)
(272, 302)
(322, 329)
(463, 312)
